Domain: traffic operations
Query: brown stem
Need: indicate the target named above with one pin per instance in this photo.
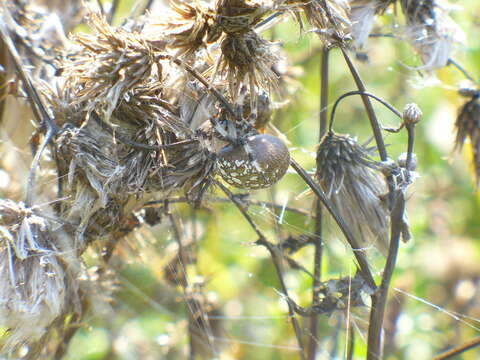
(351, 343)
(377, 131)
(317, 266)
(459, 349)
(398, 226)
(379, 298)
(276, 259)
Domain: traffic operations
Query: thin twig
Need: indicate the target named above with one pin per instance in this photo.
(351, 343)
(357, 249)
(363, 93)
(459, 349)
(398, 224)
(317, 265)
(276, 259)
(461, 69)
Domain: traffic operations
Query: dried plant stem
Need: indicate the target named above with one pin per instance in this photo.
(459, 349)
(277, 261)
(317, 266)
(351, 343)
(379, 298)
(460, 68)
(75, 325)
(358, 253)
(185, 257)
(377, 131)
(362, 93)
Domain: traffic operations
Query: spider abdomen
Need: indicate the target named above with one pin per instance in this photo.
(258, 163)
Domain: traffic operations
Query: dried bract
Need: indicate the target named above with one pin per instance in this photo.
(468, 125)
(350, 179)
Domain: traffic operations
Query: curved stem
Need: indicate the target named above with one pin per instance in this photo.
(362, 93)
(377, 131)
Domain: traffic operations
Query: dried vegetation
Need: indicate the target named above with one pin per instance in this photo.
(132, 115)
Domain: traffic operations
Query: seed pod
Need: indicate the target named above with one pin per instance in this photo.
(258, 163)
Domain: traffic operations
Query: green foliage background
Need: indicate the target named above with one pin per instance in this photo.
(147, 317)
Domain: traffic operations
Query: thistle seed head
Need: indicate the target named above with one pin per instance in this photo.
(189, 26)
(468, 125)
(33, 281)
(328, 18)
(248, 55)
(351, 181)
(362, 17)
(431, 32)
(107, 64)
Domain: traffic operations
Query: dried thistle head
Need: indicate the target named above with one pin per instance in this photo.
(107, 64)
(33, 278)
(431, 32)
(239, 16)
(248, 57)
(468, 125)
(189, 26)
(350, 179)
(362, 17)
(329, 18)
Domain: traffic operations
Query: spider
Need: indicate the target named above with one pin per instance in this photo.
(245, 158)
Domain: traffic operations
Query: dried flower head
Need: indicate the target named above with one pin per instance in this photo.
(239, 16)
(362, 17)
(108, 63)
(411, 114)
(350, 179)
(33, 281)
(329, 18)
(189, 26)
(248, 57)
(431, 31)
(468, 125)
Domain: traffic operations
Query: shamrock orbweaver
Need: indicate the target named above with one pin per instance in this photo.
(246, 158)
